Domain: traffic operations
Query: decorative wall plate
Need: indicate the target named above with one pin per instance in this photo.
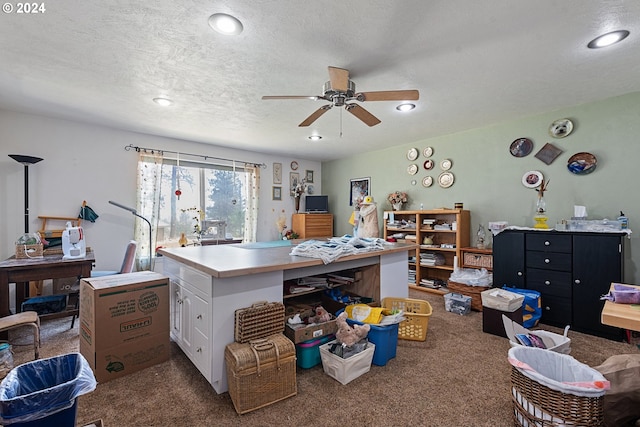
(548, 153)
(428, 164)
(521, 147)
(445, 165)
(445, 179)
(427, 181)
(427, 152)
(294, 166)
(412, 154)
(532, 179)
(560, 128)
(582, 163)
(412, 170)
(310, 188)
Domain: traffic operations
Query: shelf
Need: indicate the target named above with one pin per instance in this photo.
(429, 290)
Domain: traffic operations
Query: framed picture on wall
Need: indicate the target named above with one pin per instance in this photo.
(277, 173)
(360, 187)
(276, 193)
(294, 177)
(309, 176)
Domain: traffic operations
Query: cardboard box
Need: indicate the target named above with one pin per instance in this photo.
(304, 332)
(124, 323)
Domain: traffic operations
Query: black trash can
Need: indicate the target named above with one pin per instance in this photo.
(44, 392)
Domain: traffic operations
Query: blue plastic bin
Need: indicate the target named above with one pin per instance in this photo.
(43, 392)
(385, 338)
(308, 352)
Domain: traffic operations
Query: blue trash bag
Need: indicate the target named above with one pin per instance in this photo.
(44, 387)
(531, 306)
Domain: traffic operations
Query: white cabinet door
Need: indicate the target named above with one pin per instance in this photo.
(175, 311)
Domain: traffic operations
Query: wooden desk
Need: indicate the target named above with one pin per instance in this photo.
(21, 271)
(625, 316)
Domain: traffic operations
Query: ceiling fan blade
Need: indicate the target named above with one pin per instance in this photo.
(339, 78)
(313, 98)
(389, 95)
(368, 118)
(315, 115)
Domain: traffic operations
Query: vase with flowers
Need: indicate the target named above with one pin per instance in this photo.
(397, 199)
(540, 217)
(198, 219)
(298, 189)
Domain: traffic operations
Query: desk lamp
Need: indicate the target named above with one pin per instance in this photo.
(26, 161)
(134, 212)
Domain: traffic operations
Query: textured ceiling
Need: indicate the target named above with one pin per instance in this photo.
(475, 63)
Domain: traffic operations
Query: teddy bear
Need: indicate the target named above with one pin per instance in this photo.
(321, 316)
(348, 335)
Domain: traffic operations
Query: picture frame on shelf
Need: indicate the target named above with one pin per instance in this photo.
(277, 173)
(359, 189)
(276, 193)
(309, 175)
(294, 178)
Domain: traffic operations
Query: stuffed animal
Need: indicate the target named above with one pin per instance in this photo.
(348, 335)
(321, 316)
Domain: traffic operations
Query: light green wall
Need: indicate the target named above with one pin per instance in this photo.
(488, 177)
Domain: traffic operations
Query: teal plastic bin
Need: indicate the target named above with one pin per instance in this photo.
(43, 392)
(308, 352)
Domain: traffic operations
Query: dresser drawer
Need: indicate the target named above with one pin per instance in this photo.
(544, 241)
(549, 260)
(556, 311)
(549, 282)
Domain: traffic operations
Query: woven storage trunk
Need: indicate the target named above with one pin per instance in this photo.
(258, 321)
(261, 372)
(477, 260)
(29, 251)
(471, 291)
(416, 313)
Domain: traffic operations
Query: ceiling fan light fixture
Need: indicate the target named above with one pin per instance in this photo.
(406, 107)
(315, 137)
(608, 39)
(225, 24)
(164, 102)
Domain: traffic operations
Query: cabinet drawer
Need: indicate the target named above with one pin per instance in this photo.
(549, 260)
(542, 241)
(200, 310)
(189, 275)
(549, 282)
(556, 311)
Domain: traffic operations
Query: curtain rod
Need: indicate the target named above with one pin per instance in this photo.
(152, 150)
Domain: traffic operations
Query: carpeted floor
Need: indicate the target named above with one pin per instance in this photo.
(459, 376)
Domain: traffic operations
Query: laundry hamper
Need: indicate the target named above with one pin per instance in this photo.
(416, 313)
(554, 389)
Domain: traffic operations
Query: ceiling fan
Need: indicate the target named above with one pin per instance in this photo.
(340, 91)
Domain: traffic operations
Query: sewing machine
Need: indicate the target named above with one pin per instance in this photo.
(73, 244)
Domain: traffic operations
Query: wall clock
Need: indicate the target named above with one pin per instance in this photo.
(294, 165)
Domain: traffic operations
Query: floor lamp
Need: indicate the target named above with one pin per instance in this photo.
(26, 161)
(134, 212)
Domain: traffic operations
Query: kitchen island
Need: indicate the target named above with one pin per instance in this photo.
(209, 283)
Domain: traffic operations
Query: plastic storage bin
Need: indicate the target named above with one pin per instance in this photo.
(416, 312)
(457, 303)
(43, 392)
(346, 370)
(308, 352)
(385, 338)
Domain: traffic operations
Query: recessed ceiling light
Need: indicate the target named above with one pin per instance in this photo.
(163, 101)
(315, 137)
(405, 107)
(225, 24)
(608, 39)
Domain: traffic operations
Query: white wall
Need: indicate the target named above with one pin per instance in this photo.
(87, 162)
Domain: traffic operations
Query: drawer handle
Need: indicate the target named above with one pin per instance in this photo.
(546, 282)
(519, 273)
(577, 281)
(546, 243)
(179, 301)
(547, 308)
(199, 350)
(547, 261)
(199, 316)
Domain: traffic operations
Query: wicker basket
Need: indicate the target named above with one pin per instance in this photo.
(470, 291)
(535, 404)
(258, 321)
(416, 312)
(260, 372)
(29, 251)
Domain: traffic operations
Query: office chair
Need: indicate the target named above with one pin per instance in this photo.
(127, 267)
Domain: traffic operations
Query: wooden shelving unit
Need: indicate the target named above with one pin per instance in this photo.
(446, 242)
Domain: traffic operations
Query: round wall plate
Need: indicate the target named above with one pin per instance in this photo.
(582, 163)
(445, 165)
(427, 152)
(532, 179)
(412, 154)
(521, 147)
(445, 180)
(428, 164)
(294, 165)
(560, 128)
(412, 169)
(427, 181)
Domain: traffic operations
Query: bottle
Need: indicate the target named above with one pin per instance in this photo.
(624, 221)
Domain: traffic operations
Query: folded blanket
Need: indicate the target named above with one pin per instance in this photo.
(336, 247)
(622, 294)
